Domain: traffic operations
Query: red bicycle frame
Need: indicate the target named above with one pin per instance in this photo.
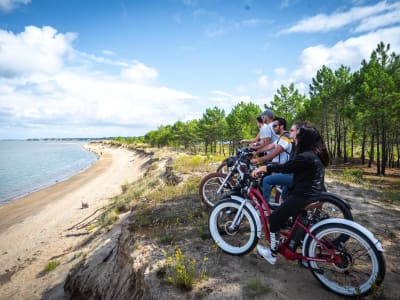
(264, 210)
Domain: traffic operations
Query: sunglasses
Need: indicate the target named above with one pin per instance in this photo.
(275, 125)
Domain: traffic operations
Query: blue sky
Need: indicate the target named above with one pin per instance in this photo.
(72, 68)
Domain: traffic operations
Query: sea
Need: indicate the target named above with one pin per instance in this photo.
(28, 166)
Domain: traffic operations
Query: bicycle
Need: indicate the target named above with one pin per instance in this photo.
(343, 255)
(216, 186)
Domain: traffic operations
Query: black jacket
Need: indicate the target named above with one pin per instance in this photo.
(308, 173)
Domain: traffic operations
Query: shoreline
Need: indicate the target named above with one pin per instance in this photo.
(17, 209)
(35, 229)
(60, 179)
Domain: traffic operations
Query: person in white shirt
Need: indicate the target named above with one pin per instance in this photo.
(256, 140)
(267, 133)
(279, 150)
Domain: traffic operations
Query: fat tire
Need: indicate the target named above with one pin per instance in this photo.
(218, 234)
(377, 260)
(205, 181)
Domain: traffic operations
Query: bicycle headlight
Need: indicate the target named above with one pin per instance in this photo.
(230, 161)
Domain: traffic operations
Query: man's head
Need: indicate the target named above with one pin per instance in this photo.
(279, 125)
(267, 116)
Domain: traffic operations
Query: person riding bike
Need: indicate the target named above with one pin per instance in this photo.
(279, 154)
(280, 179)
(308, 168)
(267, 134)
(256, 139)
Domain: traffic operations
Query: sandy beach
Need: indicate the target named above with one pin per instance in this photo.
(34, 229)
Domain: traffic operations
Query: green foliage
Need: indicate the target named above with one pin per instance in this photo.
(288, 103)
(254, 288)
(51, 265)
(189, 163)
(182, 271)
(392, 195)
(109, 218)
(167, 239)
(377, 293)
(353, 175)
(128, 140)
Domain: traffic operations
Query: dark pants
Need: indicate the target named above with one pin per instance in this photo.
(291, 207)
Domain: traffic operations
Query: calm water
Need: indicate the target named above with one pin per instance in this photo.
(27, 166)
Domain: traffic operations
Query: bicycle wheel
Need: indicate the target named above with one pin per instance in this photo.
(223, 168)
(331, 207)
(239, 240)
(361, 267)
(210, 189)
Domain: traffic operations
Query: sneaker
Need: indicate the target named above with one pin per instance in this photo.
(272, 202)
(267, 254)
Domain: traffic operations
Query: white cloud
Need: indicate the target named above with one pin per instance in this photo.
(379, 21)
(325, 23)
(108, 52)
(263, 82)
(9, 5)
(349, 52)
(138, 72)
(44, 90)
(280, 72)
(226, 100)
(34, 50)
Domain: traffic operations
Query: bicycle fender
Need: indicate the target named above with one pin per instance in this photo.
(353, 224)
(331, 195)
(252, 210)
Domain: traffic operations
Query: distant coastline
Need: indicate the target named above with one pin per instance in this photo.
(58, 139)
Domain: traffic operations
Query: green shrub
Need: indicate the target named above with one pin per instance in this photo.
(183, 272)
(51, 265)
(254, 288)
(353, 175)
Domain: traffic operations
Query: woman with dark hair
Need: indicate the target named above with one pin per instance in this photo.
(308, 180)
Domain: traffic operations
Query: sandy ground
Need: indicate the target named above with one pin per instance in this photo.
(34, 229)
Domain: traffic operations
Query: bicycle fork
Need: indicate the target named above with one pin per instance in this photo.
(238, 218)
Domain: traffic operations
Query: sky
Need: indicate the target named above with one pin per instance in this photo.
(100, 68)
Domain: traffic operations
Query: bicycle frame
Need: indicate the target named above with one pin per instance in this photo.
(264, 212)
(236, 167)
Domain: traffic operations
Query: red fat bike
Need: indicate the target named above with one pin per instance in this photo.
(343, 255)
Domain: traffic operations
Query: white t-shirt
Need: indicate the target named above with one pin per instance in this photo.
(267, 131)
(286, 144)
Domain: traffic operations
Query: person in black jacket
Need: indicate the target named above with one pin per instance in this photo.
(308, 168)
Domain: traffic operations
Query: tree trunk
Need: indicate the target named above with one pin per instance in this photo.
(371, 151)
(378, 153)
(390, 156)
(363, 144)
(327, 136)
(352, 145)
(338, 136)
(384, 151)
(345, 144)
